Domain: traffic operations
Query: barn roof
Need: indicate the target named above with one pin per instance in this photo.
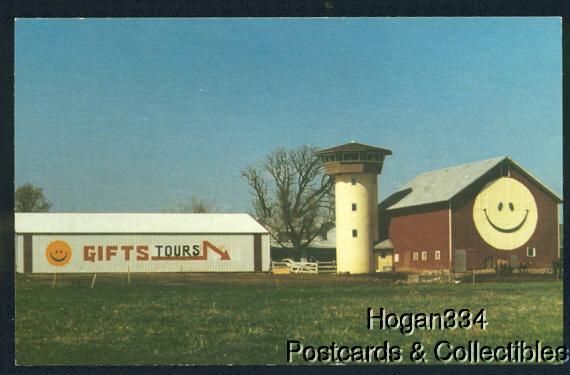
(443, 184)
(135, 223)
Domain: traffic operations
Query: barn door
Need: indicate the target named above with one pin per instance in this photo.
(28, 253)
(257, 252)
(514, 261)
(460, 260)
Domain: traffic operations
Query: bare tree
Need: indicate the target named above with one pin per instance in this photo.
(196, 205)
(292, 196)
(30, 198)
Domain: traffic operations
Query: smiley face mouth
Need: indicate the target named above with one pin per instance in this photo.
(58, 259)
(508, 230)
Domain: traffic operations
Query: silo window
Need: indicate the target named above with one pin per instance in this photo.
(354, 233)
(353, 180)
(354, 207)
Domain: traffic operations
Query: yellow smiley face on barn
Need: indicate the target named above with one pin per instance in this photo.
(505, 214)
(58, 253)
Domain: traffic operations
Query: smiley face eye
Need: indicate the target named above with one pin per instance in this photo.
(511, 206)
(500, 206)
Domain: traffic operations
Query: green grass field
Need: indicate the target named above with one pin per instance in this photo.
(247, 319)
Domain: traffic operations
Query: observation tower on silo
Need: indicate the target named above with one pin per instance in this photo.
(355, 168)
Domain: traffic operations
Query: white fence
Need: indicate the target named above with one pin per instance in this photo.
(327, 267)
(291, 266)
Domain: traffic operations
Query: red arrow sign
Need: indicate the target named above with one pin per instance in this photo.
(223, 254)
(205, 245)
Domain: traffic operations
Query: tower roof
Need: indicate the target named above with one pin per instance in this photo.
(353, 147)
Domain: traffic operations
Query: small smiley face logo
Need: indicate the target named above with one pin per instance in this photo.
(505, 214)
(58, 253)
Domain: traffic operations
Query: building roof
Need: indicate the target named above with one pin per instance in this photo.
(353, 147)
(384, 245)
(135, 223)
(325, 243)
(443, 184)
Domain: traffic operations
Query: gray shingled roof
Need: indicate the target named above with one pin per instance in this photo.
(443, 184)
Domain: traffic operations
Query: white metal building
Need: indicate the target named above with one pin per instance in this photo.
(140, 242)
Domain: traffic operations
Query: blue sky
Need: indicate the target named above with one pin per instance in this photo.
(115, 115)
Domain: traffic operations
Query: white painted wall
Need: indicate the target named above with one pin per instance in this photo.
(19, 253)
(239, 247)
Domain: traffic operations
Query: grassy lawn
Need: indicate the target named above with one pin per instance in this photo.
(247, 319)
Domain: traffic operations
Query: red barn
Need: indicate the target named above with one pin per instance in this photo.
(471, 216)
